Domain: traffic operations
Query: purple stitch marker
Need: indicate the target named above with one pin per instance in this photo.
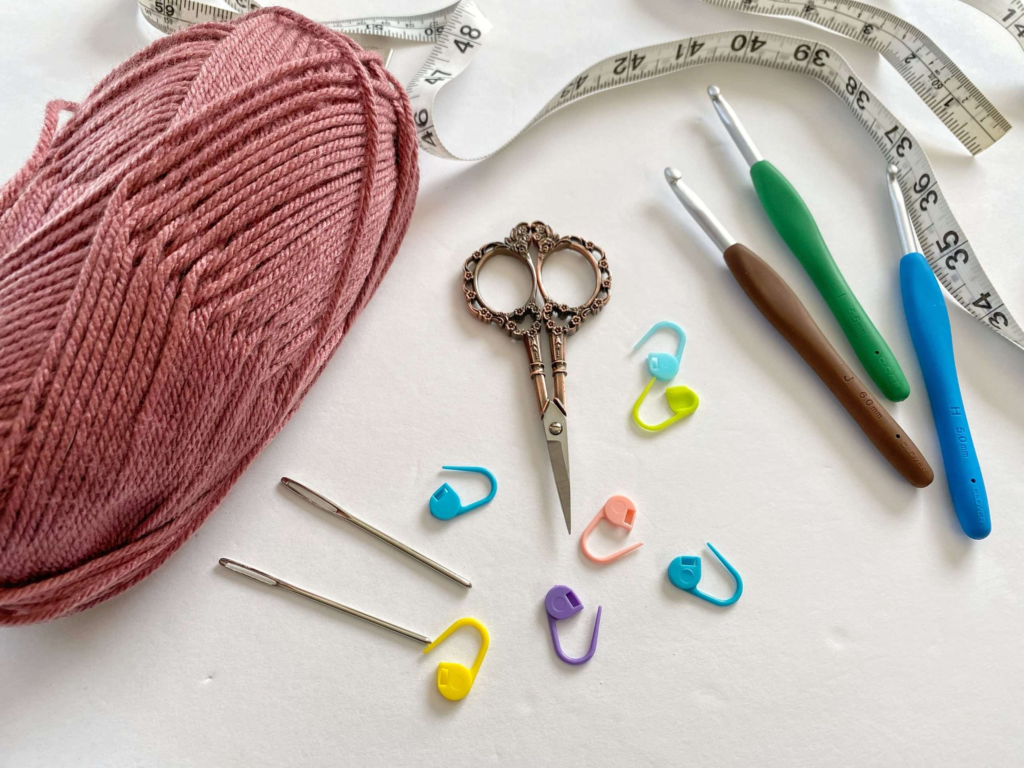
(561, 603)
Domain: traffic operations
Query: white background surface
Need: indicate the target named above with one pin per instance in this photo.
(870, 632)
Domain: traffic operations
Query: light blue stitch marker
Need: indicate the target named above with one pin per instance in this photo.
(662, 365)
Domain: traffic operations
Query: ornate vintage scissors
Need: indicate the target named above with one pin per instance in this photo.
(538, 241)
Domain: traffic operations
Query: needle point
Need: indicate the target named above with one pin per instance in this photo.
(714, 91)
(673, 175)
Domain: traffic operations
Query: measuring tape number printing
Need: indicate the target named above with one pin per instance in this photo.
(171, 16)
(944, 243)
(954, 99)
(1009, 13)
(458, 32)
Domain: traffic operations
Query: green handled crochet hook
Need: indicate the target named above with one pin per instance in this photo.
(793, 221)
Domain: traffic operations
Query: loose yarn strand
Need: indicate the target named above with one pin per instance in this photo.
(178, 261)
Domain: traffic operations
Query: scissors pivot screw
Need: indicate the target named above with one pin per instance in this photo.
(555, 428)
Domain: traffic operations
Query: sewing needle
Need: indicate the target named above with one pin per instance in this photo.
(326, 505)
(273, 581)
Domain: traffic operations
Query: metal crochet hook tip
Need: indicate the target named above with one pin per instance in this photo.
(904, 226)
(326, 505)
(700, 213)
(733, 125)
(272, 581)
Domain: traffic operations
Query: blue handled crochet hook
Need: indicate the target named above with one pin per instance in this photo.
(925, 309)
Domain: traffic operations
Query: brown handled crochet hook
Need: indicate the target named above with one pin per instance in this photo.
(783, 309)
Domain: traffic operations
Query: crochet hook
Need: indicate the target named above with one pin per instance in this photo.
(928, 321)
(783, 309)
(273, 581)
(793, 221)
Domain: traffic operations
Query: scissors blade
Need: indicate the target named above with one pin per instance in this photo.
(557, 435)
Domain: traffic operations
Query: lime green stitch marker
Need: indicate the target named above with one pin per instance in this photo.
(793, 221)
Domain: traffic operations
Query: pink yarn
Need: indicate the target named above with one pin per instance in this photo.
(177, 264)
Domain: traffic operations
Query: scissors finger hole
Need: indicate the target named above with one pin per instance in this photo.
(570, 276)
(504, 282)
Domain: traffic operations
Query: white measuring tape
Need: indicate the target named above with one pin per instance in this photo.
(1009, 13)
(930, 72)
(458, 32)
(174, 15)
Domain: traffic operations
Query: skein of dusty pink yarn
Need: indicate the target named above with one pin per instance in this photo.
(177, 264)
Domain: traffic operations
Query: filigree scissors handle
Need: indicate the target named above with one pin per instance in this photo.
(525, 324)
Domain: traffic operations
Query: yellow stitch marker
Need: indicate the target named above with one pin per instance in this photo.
(454, 681)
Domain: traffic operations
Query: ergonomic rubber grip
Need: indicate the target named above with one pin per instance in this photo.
(928, 319)
(793, 221)
(783, 309)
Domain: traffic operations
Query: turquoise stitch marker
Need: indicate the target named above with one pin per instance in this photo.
(684, 573)
(445, 502)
